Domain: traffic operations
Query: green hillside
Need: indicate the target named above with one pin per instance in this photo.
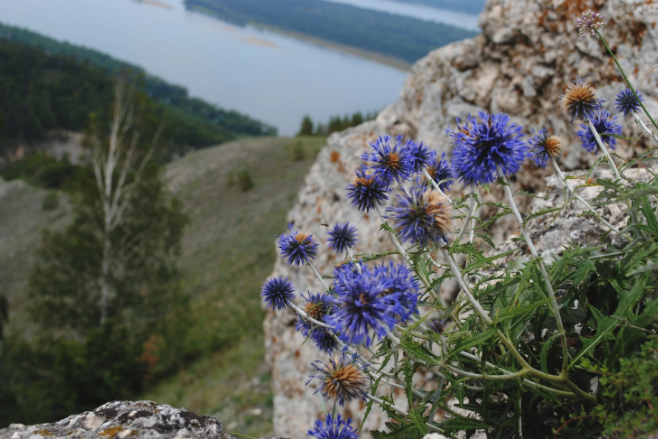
(404, 38)
(228, 251)
(57, 84)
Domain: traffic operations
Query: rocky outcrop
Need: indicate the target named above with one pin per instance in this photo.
(527, 52)
(124, 419)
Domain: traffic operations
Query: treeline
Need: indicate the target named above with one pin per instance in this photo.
(468, 6)
(401, 37)
(336, 123)
(198, 122)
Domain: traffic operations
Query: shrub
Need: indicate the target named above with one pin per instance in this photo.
(245, 181)
(50, 201)
(298, 153)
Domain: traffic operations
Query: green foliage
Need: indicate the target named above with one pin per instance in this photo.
(86, 347)
(629, 396)
(307, 127)
(42, 93)
(298, 152)
(43, 170)
(245, 181)
(198, 123)
(402, 37)
(50, 201)
(335, 124)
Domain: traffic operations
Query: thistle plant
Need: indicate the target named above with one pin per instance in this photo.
(518, 351)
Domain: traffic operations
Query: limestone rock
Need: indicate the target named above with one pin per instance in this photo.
(122, 420)
(527, 52)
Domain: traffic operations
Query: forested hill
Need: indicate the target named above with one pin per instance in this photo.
(405, 38)
(49, 74)
(469, 6)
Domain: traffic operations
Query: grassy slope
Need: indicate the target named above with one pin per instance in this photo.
(21, 221)
(228, 251)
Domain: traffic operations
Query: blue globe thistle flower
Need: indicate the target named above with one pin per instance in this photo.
(367, 191)
(341, 379)
(346, 273)
(543, 147)
(421, 155)
(277, 292)
(627, 103)
(389, 163)
(579, 100)
(342, 237)
(480, 146)
(403, 287)
(604, 124)
(299, 248)
(362, 307)
(317, 306)
(422, 216)
(441, 171)
(333, 428)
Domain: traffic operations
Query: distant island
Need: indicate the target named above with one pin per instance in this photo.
(468, 6)
(404, 38)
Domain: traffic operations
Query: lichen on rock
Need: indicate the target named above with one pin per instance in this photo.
(122, 420)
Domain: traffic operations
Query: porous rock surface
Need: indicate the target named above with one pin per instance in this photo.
(527, 52)
(125, 419)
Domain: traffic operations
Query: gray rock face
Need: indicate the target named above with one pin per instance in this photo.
(122, 420)
(527, 53)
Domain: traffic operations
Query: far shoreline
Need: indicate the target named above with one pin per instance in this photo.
(390, 61)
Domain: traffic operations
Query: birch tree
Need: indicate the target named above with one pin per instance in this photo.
(125, 237)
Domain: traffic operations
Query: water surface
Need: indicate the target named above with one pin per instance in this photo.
(274, 78)
(427, 13)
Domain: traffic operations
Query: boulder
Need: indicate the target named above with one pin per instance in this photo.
(124, 419)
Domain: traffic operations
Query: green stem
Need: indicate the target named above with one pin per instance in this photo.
(562, 179)
(628, 82)
(603, 149)
(542, 269)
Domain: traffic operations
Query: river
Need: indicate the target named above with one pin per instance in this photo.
(427, 13)
(269, 76)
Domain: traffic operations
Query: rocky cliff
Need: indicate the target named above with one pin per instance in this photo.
(527, 52)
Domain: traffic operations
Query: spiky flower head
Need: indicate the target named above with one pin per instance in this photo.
(278, 292)
(421, 155)
(627, 103)
(342, 237)
(481, 146)
(341, 379)
(579, 100)
(543, 147)
(299, 248)
(390, 163)
(367, 191)
(403, 288)
(440, 170)
(422, 216)
(604, 125)
(317, 306)
(362, 307)
(333, 428)
(588, 22)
